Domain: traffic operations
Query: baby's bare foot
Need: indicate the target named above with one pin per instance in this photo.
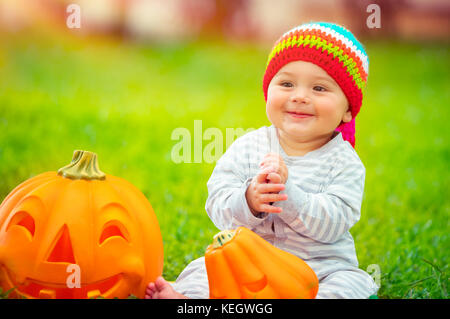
(161, 289)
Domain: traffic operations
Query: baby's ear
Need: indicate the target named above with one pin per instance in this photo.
(347, 117)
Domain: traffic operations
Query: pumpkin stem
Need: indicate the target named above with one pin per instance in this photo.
(84, 165)
(222, 238)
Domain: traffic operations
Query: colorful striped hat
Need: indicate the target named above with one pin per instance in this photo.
(334, 49)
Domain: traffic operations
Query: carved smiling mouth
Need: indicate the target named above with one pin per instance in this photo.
(38, 289)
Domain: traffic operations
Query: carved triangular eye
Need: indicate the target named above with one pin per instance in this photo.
(62, 250)
(113, 228)
(22, 218)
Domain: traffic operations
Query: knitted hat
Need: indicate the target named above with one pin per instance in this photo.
(334, 49)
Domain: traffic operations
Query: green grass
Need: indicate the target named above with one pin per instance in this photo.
(123, 100)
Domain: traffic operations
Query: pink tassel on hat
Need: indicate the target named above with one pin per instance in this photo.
(348, 131)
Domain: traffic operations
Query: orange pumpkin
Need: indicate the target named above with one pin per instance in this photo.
(79, 216)
(242, 265)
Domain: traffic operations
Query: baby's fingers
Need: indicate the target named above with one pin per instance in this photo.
(273, 197)
(274, 178)
(270, 188)
(271, 158)
(262, 175)
(265, 208)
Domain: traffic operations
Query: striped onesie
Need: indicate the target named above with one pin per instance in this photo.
(325, 190)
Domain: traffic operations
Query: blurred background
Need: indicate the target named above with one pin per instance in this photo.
(121, 76)
(254, 20)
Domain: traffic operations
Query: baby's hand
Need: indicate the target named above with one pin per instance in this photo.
(279, 168)
(260, 194)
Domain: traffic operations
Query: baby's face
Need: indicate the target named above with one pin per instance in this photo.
(305, 103)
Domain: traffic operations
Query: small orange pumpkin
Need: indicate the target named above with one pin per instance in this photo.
(83, 217)
(242, 265)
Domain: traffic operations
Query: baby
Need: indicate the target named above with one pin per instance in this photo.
(299, 183)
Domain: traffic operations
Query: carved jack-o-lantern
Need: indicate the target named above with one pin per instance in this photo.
(79, 216)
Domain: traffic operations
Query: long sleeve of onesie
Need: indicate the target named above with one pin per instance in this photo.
(327, 215)
(226, 204)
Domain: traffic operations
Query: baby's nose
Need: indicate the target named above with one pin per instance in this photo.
(300, 96)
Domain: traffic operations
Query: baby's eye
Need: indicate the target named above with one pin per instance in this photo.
(287, 84)
(319, 88)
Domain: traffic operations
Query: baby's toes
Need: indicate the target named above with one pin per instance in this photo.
(150, 286)
(151, 289)
(148, 294)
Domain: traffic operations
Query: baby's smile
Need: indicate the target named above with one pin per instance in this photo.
(299, 115)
